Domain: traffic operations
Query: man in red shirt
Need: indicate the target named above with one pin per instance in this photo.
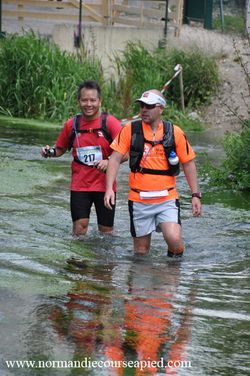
(89, 135)
(156, 148)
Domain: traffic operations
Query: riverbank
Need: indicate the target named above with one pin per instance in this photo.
(232, 96)
(28, 123)
(232, 102)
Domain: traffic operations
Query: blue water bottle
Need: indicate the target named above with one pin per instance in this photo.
(173, 159)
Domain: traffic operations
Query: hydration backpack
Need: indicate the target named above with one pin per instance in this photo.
(137, 149)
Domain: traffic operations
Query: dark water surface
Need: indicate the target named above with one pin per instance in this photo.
(63, 315)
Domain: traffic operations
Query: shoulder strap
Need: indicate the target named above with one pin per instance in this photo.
(169, 145)
(136, 134)
(104, 127)
(103, 121)
(75, 128)
(168, 137)
(136, 145)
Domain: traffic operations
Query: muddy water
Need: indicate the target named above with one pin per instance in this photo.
(66, 303)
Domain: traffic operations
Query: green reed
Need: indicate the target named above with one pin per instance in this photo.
(38, 80)
(139, 69)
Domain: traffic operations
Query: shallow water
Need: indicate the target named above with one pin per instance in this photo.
(110, 304)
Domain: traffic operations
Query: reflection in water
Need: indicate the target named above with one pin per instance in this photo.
(152, 330)
(112, 305)
(142, 324)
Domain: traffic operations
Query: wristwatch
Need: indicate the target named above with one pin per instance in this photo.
(196, 194)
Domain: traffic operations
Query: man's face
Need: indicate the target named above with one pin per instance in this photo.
(150, 113)
(89, 103)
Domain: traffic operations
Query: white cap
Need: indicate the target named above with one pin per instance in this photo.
(151, 98)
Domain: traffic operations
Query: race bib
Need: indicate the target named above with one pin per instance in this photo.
(144, 195)
(89, 154)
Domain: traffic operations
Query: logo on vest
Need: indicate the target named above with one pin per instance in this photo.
(100, 134)
(146, 149)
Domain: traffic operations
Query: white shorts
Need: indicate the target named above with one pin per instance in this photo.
(146, 218)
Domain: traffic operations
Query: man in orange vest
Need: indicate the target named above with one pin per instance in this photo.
(156, 148)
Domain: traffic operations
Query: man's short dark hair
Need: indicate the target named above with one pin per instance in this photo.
(90, 85)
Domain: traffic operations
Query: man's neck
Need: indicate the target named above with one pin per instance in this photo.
(154, 126)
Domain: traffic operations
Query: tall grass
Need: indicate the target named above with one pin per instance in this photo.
(139, 69)
(38, 80)
(234, 171)
(200, 76)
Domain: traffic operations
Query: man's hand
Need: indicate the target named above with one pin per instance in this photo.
(44, 151)
(112, 170)
(109, 199)
(101, 165)
(196, 206)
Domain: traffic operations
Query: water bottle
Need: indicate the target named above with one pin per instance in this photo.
(173, 159)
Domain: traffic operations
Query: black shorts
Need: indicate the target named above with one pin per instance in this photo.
(80, 206)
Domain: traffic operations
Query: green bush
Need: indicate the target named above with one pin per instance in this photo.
(139, 70)
(200, 76)
(234, 171)
(38, 80)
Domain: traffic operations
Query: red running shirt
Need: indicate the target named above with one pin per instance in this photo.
(85, 178)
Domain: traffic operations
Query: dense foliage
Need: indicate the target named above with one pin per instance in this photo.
(234, 171)
(139, 69)
(38, 80)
